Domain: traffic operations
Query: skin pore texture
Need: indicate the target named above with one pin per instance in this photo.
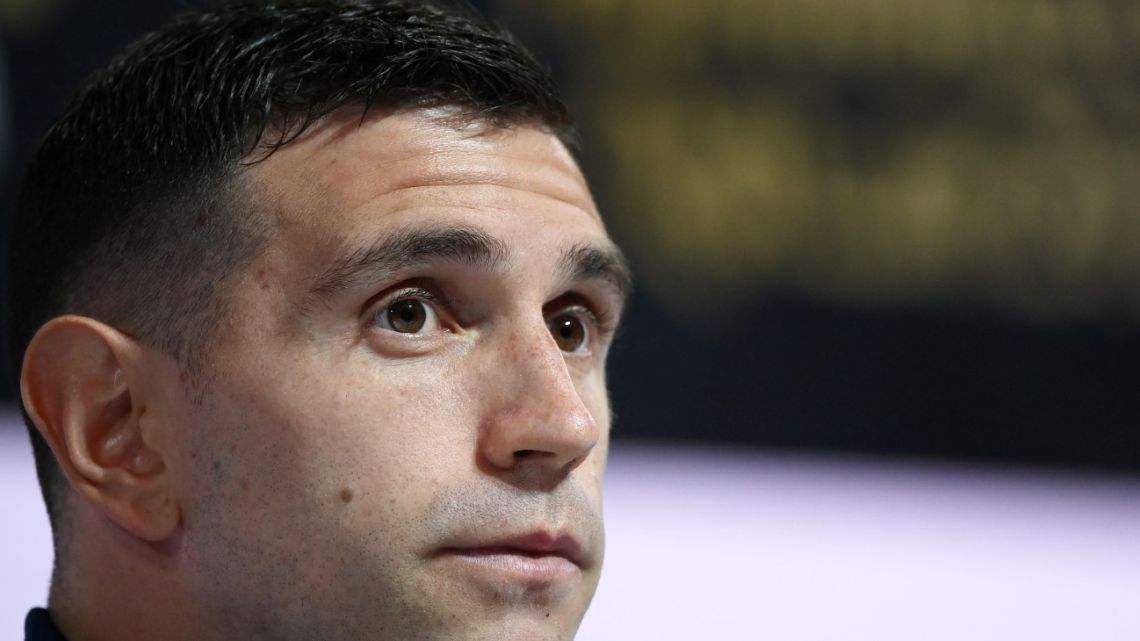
(404, 426)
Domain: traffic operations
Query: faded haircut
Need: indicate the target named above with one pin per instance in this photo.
(132, 211)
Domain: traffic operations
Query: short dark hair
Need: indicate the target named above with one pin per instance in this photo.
(130, 211)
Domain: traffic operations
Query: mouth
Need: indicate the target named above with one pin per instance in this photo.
(534, 558)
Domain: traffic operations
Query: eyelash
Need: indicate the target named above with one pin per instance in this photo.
(383, 303)
(416, 292)
(600, 321)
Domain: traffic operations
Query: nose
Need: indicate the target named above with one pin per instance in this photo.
(536, 421)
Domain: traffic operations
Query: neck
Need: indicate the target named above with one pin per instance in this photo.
(111, 586)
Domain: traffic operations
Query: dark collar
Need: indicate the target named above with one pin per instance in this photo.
(38, 626)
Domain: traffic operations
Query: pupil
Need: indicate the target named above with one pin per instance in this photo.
(407, 313)
(407, 316)
(568, 333)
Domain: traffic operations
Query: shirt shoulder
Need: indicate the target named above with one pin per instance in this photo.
(38, 626)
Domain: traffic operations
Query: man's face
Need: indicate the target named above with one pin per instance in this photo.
(405, 424)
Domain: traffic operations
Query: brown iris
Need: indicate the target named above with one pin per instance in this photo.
(407, 316)
(568, 331)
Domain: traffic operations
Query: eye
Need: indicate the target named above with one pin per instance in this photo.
(569, 332)
(408, 314)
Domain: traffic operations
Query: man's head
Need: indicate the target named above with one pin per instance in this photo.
(310, 309)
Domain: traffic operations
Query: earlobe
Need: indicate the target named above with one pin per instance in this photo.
(86, 387)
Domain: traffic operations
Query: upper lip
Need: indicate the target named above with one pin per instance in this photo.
(537, 543)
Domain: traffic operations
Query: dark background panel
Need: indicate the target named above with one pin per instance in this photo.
(799, 374)
(777, 361)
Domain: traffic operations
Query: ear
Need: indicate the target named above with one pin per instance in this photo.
(87, 388)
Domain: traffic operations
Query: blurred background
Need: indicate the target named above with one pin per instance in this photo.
(887, 256)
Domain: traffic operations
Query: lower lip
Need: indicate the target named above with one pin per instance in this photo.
(520, 565)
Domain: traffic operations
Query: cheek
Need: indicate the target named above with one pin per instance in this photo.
(409, 416)
(595, 396)
(375, 429)
(334, 460)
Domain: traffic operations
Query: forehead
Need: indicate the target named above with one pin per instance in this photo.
(358, 204)
(348, 172)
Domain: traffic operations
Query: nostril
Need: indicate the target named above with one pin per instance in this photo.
(525, 454)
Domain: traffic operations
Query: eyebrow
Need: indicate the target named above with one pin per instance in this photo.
(406, 249)
(584, 262)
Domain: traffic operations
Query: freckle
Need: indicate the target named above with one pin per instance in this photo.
(548, 615)
(346, 495)
(244, 483)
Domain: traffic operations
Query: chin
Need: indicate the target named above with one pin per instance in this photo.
(529, 627)
(515, 621)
